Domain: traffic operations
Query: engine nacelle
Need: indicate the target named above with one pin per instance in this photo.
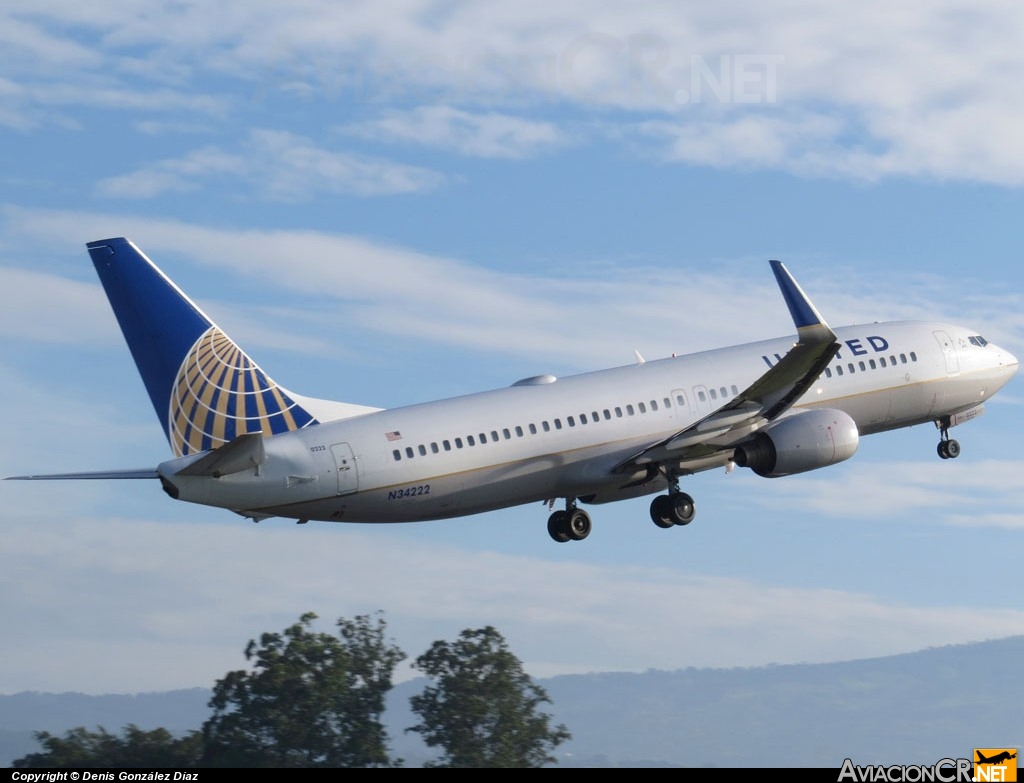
(800, 442)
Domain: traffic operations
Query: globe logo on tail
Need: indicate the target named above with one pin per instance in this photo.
(219, 393)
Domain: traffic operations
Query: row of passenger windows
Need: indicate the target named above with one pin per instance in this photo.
(870, 364)
(703, 395)
(583, 419)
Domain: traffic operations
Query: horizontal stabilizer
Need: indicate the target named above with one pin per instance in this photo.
(244, 452)
(141, 473)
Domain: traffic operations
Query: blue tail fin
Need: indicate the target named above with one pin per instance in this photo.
(205, 390)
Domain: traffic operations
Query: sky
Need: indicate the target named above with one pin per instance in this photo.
(391, 203)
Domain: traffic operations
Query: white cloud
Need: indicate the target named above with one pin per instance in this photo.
(280, 166)
(490, 135)
(400, 292)
(397, 291)
(903, 488)
(863, 92)
(46, 307)
(173, 174)
(146, 605)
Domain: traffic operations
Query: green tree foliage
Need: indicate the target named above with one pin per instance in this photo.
(482, 709)
(311, 699)
(137, 748)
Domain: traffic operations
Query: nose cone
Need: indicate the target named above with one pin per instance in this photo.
(1009, 361)
(1005, 365)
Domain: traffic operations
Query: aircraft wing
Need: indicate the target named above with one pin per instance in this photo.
(765, 399)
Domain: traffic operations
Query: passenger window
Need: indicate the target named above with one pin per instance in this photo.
(680, 400)
(533, 429)
(519, 431)
(408, 452)
(654, 405)
(423, 450)
(458, 443)
(583, 418)
(571, 421)
(863, 367)
(851, 368)
(668, 402)
(558, 424)
(630, 411)
(545, 426)
(872, 363)
(735, 391)
(913, 356)
(594, 417)
(839, 369)
(714, 394)
(506, 433)
(397, 455)
(470, 441)
(882, 361)
(494, 435)
(903, 358)
(643, 408)
(701, 396)
(434, 448)
(724, 392)
(828, 372)
(618, 412)
(447, 445)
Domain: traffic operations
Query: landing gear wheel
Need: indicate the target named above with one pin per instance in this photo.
(948, 449)
(558, 526)
(683, 509)
(577, 524)
(662, 511)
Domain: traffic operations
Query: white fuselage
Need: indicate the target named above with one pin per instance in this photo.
(546, 438)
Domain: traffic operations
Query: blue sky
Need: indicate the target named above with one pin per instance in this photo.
(388, 204)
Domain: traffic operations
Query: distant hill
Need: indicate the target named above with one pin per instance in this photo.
(904, 709)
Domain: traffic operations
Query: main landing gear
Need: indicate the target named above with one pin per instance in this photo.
(675, 508)
(573, 524)
(947, 448)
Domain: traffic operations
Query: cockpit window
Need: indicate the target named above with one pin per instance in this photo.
(977, 339)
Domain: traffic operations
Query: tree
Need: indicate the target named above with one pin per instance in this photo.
(311, 700)
(137, 748)
(483, 708)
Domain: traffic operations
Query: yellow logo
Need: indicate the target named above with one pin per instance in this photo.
(998, 765)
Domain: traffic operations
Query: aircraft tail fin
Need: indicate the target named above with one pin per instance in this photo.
(206, 391)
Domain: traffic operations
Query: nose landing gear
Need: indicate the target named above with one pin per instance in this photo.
(947, 448)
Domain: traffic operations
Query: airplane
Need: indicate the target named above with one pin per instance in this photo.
(778, 407)
(996, 759)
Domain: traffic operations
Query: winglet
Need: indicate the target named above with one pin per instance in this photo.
(804, 313)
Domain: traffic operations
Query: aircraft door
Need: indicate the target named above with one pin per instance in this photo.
(345, 465)
(679, 400)
(701, 400)
(949, 351)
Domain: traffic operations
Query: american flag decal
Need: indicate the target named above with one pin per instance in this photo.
(392, 436)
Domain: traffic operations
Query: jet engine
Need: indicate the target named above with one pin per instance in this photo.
(800, 442)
